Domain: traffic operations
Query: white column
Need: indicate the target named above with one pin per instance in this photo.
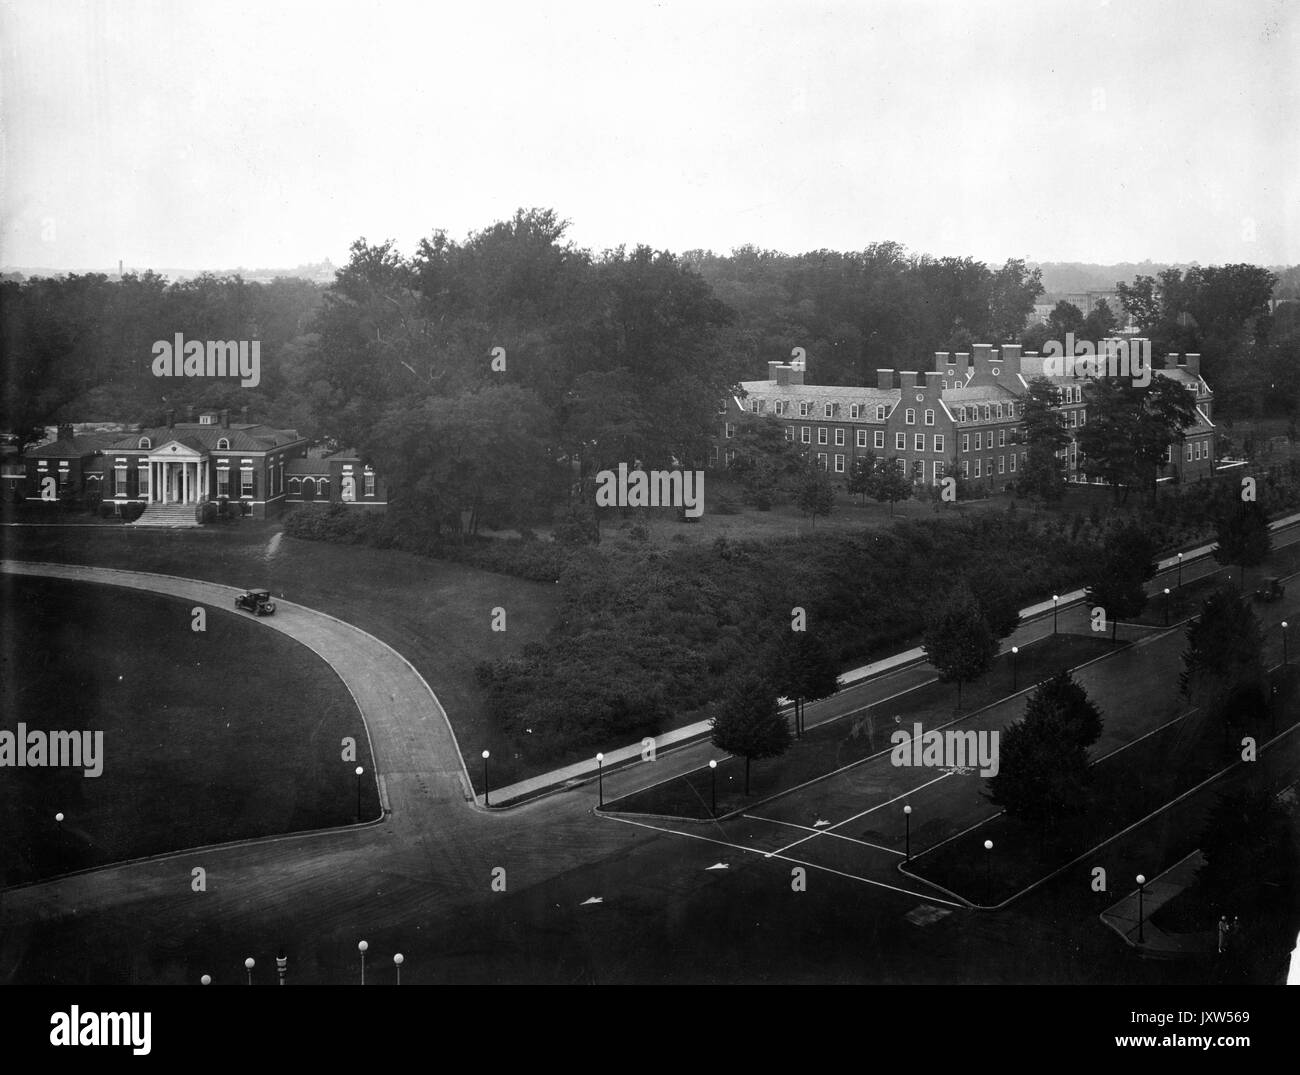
(185, 482)
(163, 483)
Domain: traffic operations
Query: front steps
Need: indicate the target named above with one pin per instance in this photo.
(171, 515)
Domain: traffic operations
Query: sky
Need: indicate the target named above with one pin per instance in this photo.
(216, 134)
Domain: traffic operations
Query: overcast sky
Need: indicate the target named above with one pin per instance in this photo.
(215, 134)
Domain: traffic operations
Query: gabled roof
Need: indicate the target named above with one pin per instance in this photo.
(243, 437)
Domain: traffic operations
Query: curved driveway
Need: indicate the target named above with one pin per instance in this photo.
(434, 849)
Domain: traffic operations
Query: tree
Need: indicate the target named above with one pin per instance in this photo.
(765, 461)
(816, 495)
(1012, 292)
(1100, 322)
(1225, 653)
(1118, 587)
(805, 671)
(1043, 473)
(1242, 537)
(1065, 318)
(1131, 429)
(860, 475)
(747, 722)
(958, 641)
(1042, 772)
(1248, 848)
(889, 483)
(1061, 700)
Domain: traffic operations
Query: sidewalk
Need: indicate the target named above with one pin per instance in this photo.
(584, 771)
(1122, 917)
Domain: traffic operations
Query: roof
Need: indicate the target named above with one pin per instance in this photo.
(81, 444)
(767, 389)
(344, 455)
(246, 437)
(978, 393)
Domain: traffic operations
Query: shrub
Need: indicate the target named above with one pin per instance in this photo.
(132, 511)
(205, 512)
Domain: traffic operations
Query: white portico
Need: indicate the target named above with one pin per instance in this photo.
(176, 474)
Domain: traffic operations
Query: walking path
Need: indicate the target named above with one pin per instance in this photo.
(1131, 916)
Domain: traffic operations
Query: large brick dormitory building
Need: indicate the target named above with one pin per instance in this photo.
(966, 412)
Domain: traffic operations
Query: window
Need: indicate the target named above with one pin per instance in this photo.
(938, 442)
(223, 445)
(821, 460)
(938, 471)
(918, 442)
(910, 417)
(862, 438)
(789, 432)
(999, 410)
(1083, 416)
(828, 410)
(145, 442)
(1189, 452)
(805, 434)
(879, 438)
(918, 470)
(821, 434)
(119, 474)
(722, 409)
(295, 484)
(977, 468)
(370, 483)
(144, 480)
(839, 463)
(965, 442)
(755, 406)
(1169, 454)
(839, 438)
(1011, 410)
(900, 441)
(979, 441)
(1013, 462)
(961, 414)
(1002, 463)
(944, 385)
(988, 412)
(855, 410)
(246, 481)
(965, 468)
(1002, 438)
(223, 481)
(880, 413)
(803, 409)
(1074, 418)
(929, 418)
(779, 406)
(731, 430)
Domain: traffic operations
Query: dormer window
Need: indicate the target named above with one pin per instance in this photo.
(828, 410)
(223, 445)
(855, 410)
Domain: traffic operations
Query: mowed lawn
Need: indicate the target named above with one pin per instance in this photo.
(225, 734)
(437, 614)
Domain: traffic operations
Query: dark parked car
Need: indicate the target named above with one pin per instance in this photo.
(1270, 590)
(256, 601)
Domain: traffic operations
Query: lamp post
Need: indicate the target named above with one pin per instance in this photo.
(1166, 606)
(1141, 891)
(206, 980)
(281, 965)
(1180, 571)
(713, 787)
(1284, 653)
(988, 870)
(361, 947)
(1015, 654)
(359, 771)
(907, 819)
(486, 755)
(249, 964)
(1055, 599)
(600, 779)
(398, 960)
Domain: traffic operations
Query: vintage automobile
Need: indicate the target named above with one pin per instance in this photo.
(1271, 589)
(256, 601)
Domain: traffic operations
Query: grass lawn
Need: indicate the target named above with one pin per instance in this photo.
(1125, 787)
(437, 614)
(837, 743)
(209, 736)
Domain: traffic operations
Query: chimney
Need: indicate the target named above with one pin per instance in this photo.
(910, 379)
(1192, 363)
(885, 379)
(941, 360)
(243, 414)
(772, 367)
(983, 353)
(193, 414)
(781, 373)
(796, 372)
(1011, 359)
(225, 418)
(171, 419)
(932, 386)
(64, 431)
